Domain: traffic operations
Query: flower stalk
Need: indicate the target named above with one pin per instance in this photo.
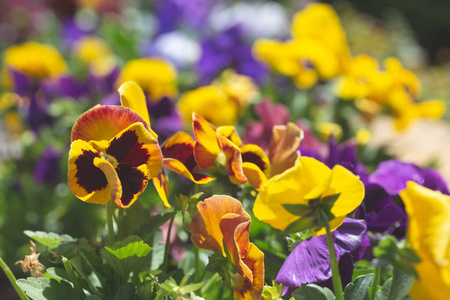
(335, 277)
(109, 222)
(13, 280)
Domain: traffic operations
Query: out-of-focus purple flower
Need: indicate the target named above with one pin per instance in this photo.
(259, 133)
(393, 174)
(380, 212)
(345, 155)
(228, 49)
(71, 32)
(35, 106)
(309, 262)
(182, 13)
(47, 167)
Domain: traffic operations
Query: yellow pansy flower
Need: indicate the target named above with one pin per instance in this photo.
(429, 236)
(155, 76)
(305, 184)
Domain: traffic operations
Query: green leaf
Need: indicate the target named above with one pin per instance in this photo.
(297, 209)
(125, 254)
(126, 292)
(304, 223)
(192, 287)
(145, 290)
(155, 222)
(401, 284)
(330, 200)
(49, 239)
(312, 291)
(384, 293)
(43, 288)
(358, 289)
(34, 287)
(158, 250)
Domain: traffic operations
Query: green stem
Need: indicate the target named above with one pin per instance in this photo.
(73, 277)
(166, 250)
(336, 277)
(376, 283)
(109, 222)
(13, 280)
(197, 264)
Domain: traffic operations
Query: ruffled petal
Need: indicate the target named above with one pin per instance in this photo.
(283, 147)
(162, 188)
(104, 123)
(243, 288)
(205, 225)
(207, 146)
(132, 96)
(86, 181)
(254, 175)
(134, 181)
(233, 160)
(135, 146)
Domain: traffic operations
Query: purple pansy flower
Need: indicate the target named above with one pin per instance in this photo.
(393, 175)
(225, 50)
(309, 262)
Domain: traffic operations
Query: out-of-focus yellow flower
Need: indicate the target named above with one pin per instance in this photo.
(239, 88)
(211, 103)
(95, 53)
(364, 79)
(429, 236)
(36, 60)
(325, 129)
(318, 49)
(319, 22)
(363, 136)
(155, 76)
(305, 184)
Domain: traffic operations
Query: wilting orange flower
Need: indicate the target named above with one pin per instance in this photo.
(112, 156)
(222, 219)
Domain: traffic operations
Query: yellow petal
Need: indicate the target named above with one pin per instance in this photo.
(207, 146)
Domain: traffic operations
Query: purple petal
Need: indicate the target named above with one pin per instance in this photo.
(433, 180)
(392, 175)
(309, 262)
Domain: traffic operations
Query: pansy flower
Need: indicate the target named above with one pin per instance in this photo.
(309, 262)
(112, 156)
(429, 236)
(177, 150)
(318, 49)
(212, 103)
(222, 225)
(156, 76)
(308, 184)
(211, 147)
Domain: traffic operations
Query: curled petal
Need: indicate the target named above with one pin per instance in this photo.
(283, 147)
(205, 225)
(255, 155)
(207, 146)
(178, 152)
(114, 184)
(104, 123)
(132, 96)
(86, 181)
(230, 133)
(254, 175)
(233, 160)
(162, 188)
(245, 289)
(429, 236)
